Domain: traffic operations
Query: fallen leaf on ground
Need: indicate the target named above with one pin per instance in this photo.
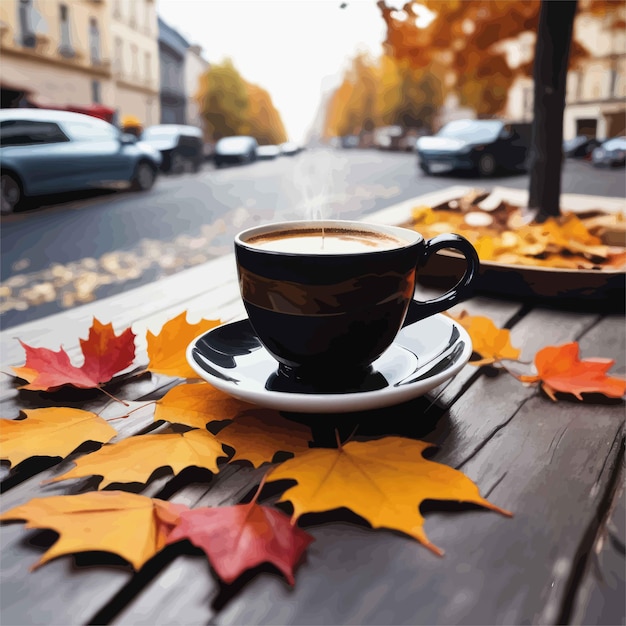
(258, 435)
(51, 432)
(133, 460)
(129, 525)
(197, 404)
(383, 480)
(492, 343)
(166, 350)
(559, 368)
(105, 355)
(238, 538)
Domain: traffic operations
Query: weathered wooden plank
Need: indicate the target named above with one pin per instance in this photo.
(550, 463)
(600, 596)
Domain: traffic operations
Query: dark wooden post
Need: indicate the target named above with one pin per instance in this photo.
(554, 36)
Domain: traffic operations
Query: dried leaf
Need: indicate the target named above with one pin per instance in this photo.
(166, 350)
(238, 538)
(197, 404)
(492, 343)
(132, 526)
(134, 460)
(258, 435)
(384, 481)
(51, 432)
(559, 368)
(105, 355)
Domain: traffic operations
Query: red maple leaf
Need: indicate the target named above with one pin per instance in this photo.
(238, 538)
(560, 369)
(105, 354)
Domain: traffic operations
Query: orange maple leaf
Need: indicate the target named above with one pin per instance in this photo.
(383, 480)
(492, 343)
(197, 404)
(560, 369)
(135, 459)
(105, 355)
(258, 435)
(134, 527)
(167, 349)
(51, 432)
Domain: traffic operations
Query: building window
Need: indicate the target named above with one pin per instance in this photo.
(96, 95)
(134, 60)
(133, 13)
(94, 41)
(147, 57)
(27, 32)
(613, 82)
(65, 47)
(119, 55)
(117, 11)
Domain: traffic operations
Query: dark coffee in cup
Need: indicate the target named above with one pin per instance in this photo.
(327, 298)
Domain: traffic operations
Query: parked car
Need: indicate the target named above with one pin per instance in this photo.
(289, 148)
(481, 146)
(350, 141)
(580, 147)
(612, 153)
(44, 151)
(267, 152)
(239, 149)
(180, 146)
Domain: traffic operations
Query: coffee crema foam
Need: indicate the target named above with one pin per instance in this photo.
(326, 241)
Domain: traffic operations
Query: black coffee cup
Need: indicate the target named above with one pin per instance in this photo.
(327, 298)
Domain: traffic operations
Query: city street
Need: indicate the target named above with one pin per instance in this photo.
(91, 246)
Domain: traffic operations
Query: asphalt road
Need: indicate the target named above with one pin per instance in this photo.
(89, 246)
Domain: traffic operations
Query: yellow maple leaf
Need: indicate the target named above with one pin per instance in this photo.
(133, 460)
(383, 480)
(197, 404)
(126, 524)
(166, 350)
(492, 343)
(51, 432)
(258, 435)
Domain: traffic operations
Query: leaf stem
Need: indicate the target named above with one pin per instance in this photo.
(105, 392)
(260, 487)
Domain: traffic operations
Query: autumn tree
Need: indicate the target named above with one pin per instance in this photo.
(388, 92)
(232, 106)
(467, 37)
(263, 121)
(223, 100)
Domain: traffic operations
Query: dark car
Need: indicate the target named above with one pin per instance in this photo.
(180, 146)
(44, 152)
(236, 149)
(580, 147)
(612, 153)
(481, 146)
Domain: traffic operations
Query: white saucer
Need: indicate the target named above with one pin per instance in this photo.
(424, 355)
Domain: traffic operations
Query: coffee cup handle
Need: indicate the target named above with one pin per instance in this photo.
(461, 291)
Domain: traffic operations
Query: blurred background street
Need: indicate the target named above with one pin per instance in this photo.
(67, 253)
(137, 137)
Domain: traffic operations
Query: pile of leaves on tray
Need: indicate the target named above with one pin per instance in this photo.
(383, 480)
(505, 233)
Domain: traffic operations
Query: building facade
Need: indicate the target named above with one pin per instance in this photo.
(79, 53)
(195, 66)
(135, 60)
(173, 95)
(55, 53)
(595, 103)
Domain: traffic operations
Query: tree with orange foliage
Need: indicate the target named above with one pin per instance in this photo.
(232, 106)
(466, 35)
(263, 120)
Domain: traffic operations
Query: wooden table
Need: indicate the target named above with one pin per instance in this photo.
(557, 466)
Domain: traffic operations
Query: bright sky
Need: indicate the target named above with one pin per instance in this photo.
(296, 49)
